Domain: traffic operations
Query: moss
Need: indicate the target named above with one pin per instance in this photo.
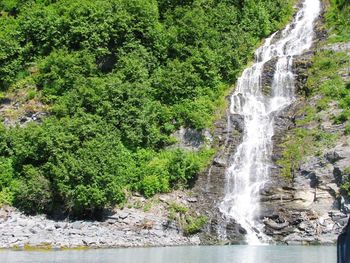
(41, 247)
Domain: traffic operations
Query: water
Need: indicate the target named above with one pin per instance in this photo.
(215, 254)
(251, 163)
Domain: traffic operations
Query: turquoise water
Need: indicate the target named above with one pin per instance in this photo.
(203, 254)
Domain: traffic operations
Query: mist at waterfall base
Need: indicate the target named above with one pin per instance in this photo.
(214, 254)
(251, 163)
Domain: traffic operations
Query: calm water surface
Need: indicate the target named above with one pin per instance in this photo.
(214, 254)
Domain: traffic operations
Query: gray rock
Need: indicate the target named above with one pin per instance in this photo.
(59, 225)
(123, 215)
(220, 162)
(50, 228)
(274, 225)
(192, 200)
(333, 156)
(33, 231)
(337, 47)
(163, 199)
(336, 215)
(76, 225)
(190, 139)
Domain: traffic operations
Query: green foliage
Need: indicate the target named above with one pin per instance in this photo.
(345, 186)
(342, 117)
(168, 169)
(33, 194)
(177, 208)
(189, 223)
(60, 71)
(323, 79)
(295, 148)
(194, 224)
(6, 172)
(347, 130)
(338, 20)
(120, 77)
(6, 181)
(150, 185)
(192, 53)
(300, 143)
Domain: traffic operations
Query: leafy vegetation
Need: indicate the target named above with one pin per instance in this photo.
(338, 20)
(324, 80)
(300, 143)
(119, 77)
(190, 224)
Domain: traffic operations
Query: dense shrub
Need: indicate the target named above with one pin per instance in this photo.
(119, 78)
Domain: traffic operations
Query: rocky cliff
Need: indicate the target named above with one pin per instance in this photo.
(306, 208)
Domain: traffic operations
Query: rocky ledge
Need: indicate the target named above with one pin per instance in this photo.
(128, 227)
(311, 210)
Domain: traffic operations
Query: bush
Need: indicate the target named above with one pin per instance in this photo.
(182, 216)
(61, 70)
(343, 117)
(119, 77)
(6, 172)
(347, 129)
(194, 224)
(33, 194)
(150, 185)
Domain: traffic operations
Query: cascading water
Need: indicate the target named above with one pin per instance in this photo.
(250, 166)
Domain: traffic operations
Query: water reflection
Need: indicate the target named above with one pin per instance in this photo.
(214, 254)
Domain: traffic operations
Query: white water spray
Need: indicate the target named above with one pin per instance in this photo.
(251, 163)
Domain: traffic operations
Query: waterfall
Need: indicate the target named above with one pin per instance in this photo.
(251, 163)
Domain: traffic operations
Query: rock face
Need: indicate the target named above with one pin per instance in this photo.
(191, 139)
(312, 209)
(308, 210)
(210, 186)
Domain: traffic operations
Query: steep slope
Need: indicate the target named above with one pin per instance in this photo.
(314, 155)
(118, 77)
(304, 200)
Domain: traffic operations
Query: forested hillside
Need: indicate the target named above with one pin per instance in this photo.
(116, 79)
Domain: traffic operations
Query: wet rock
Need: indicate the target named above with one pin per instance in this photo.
(274, 225)
(301, 64)
(267, 76)
(209, 187)
(192, 200)
(219, 161)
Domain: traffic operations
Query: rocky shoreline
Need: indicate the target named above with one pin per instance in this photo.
(127, 227)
